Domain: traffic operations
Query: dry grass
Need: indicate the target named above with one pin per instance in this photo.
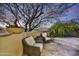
(14, 30)
(34, 34)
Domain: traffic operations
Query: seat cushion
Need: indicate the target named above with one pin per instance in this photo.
(39, 45)
(44, 34)
(30, 41)
(47, 38)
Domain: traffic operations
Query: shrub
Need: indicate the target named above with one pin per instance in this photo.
(64, 30)
(2, 29)
(14, 29)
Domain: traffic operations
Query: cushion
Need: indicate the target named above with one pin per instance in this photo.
(44, 34)
(47, 38)
(30, 41)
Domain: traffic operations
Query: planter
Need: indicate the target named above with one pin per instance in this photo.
(11, 45)
(15, 30)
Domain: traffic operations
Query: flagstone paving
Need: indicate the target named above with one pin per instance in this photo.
(56, 48)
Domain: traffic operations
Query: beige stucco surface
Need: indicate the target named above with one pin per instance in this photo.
(11, 44)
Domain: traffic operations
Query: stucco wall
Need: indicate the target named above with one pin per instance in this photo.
(34, 34)
(11, 44)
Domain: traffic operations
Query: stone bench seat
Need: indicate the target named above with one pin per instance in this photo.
(31, 47)
(45, 35)
(39, 45)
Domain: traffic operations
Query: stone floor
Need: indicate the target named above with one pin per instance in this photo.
(52, 49)
(58, 49)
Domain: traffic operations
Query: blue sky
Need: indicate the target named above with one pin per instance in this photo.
(72, 13)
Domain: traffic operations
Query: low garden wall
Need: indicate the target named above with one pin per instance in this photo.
(11, 44)
(34, 34)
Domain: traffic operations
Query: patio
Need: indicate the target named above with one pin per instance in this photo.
(56, 48)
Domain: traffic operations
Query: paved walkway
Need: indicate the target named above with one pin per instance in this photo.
(52, 49)
(59, 49)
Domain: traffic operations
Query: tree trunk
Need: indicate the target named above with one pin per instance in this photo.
(15, 23)
(26, 27)
(30, 28)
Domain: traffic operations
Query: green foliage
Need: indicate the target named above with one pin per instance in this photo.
(1, 28)
(64, 30)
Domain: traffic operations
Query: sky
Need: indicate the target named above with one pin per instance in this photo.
(72, 13)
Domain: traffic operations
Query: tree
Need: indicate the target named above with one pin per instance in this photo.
(35, 14)
(2, 13)
(11, 7)
(31, 13)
